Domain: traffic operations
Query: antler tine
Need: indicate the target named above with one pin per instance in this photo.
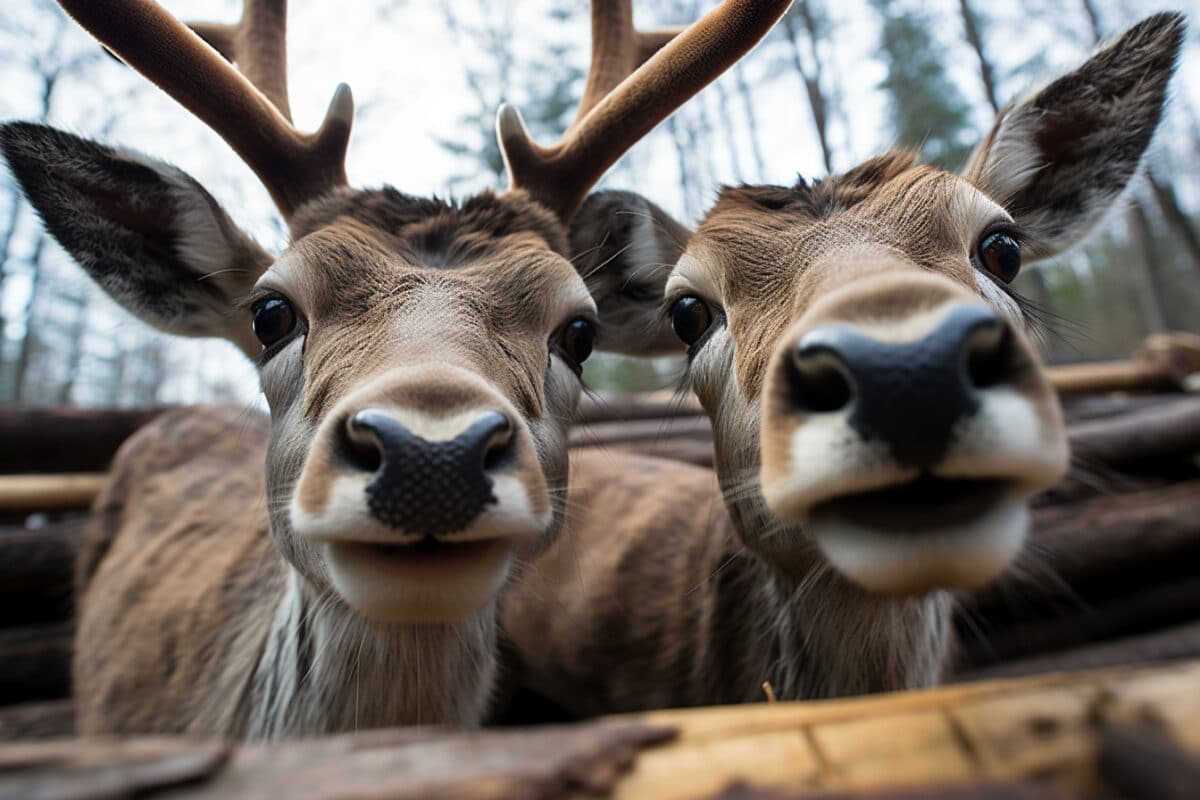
(616, 113)
(617, 50)
(257, 44)
(295, 167)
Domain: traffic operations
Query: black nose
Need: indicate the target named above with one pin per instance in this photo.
(419, 486)
(908, 395)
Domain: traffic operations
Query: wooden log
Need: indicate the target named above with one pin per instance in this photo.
(1176, 643)
(1082, 408)
(1047, 732)
(1158, 432)
(1126, 539)
(1165, 362)
(688, 451)
(59, 439)
(986, 641)
(35, 663)
(1111, 376)
(54, 719)
(644, 405)
(1140, 764)
(26, 493)
(645, 430)
(36, 571)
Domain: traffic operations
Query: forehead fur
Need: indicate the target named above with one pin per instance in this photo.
(435, 232)
(817, 200)
(387, 279)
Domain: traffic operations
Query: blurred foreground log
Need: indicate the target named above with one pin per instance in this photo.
(54, 719)
(1051, 737)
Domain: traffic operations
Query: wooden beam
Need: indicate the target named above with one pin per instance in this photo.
(35, 663)
(27, 493)
(1152, 433)
(37, 571)
(53, 719)
(60, 439)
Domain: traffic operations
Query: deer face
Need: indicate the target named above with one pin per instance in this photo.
(843, 340)
(863, 360)
(421, 363)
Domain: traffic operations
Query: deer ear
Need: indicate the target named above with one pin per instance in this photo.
(147, 232)
(1059, 159)
(625, 247)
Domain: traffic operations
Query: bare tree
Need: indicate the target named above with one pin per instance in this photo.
(986, 73)
(747, 103)
(803, 29)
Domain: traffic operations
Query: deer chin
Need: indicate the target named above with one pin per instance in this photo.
(927, 534)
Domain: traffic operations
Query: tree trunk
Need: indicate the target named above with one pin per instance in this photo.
(1176, 218)
(747, 97)
(1147, 281)
(810, 79)
(735, 160)
(21, 379)
(971, 27)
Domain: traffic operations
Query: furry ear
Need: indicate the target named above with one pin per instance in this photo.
(1058, 160)
(147, 232)
(625, 247)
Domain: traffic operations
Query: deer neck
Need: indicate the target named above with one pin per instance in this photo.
(325, 669)
(828, 637)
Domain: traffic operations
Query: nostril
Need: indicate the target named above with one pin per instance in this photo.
(988, 354)
(360, 443)
(496, 439)
(817, 380)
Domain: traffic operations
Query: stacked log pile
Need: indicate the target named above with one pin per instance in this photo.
(1112, 575)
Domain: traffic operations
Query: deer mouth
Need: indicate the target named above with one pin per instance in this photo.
(427, 580)
(425, 557)
(925, 534)
(924, 503)
(425, 554)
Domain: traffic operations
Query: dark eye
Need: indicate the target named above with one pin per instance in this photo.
(1000, 254)
(273, 320)
(690, 317)
(576, 340)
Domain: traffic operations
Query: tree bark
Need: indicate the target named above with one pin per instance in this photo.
(1148, 283)
(811, 78)
(986, 74)
(747, 97)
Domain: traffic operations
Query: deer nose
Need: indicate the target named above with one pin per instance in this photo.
(908, 395)
(433, 488)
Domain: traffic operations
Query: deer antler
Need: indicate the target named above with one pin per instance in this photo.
(619, 108)
(249, 109)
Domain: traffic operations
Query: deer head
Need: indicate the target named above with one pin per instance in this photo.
(858, 347)
(420, 358)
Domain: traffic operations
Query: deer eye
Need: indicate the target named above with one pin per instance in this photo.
(575, 340)
(690, 318)
(274, 319)
(1000, 254)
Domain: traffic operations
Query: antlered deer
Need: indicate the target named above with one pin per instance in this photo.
(879, 416)
(420, 360)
